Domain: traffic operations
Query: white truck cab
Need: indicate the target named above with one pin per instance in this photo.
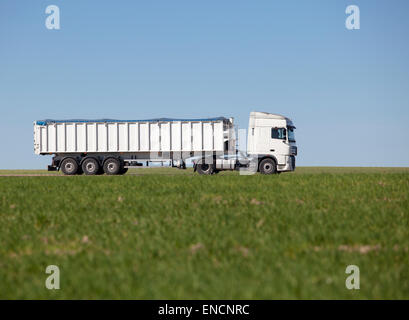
(272, 135)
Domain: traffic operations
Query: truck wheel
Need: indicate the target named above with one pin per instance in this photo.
(267, 166)
(112, 166)
(69, 166)
(204, 168)
(124, 170)
(90, 166)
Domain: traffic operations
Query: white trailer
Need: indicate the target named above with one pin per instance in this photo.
(112, 146)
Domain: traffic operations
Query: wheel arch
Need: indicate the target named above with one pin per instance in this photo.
(261, 157)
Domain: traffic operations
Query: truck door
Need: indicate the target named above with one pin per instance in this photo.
(278, 143)
(271, 140)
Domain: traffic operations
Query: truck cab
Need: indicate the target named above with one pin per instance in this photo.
(271, 136)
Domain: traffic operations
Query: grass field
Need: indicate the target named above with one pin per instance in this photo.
(172, 234)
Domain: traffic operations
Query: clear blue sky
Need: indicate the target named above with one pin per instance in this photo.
(347, 91)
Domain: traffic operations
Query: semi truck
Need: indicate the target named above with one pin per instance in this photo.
(93, 147)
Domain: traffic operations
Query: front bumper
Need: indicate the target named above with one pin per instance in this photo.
(289, 164)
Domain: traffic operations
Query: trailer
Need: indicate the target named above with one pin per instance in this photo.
(112, 146)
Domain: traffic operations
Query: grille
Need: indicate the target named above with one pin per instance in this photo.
(293, 162)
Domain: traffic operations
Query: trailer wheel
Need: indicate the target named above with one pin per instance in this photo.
(204, 168)
(69, 166)
(267, 166)
(90, 166)
(112, 166)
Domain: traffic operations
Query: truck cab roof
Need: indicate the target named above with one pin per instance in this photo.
(267, 115)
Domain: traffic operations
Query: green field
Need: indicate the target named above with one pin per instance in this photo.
(172, 234)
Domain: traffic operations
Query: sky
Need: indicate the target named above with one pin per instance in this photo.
(347, 91)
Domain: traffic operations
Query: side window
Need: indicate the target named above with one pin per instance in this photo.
(278, 133)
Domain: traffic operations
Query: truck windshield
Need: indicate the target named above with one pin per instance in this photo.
(291, 135)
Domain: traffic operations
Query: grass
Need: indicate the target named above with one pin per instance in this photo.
(171, 234)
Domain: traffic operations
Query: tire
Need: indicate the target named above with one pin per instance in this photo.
(267, 166)
(204, 168)
(124, 170)
(69, 166)
(90, 166)
(112, 166)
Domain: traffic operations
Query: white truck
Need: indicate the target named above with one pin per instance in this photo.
(112, 146)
